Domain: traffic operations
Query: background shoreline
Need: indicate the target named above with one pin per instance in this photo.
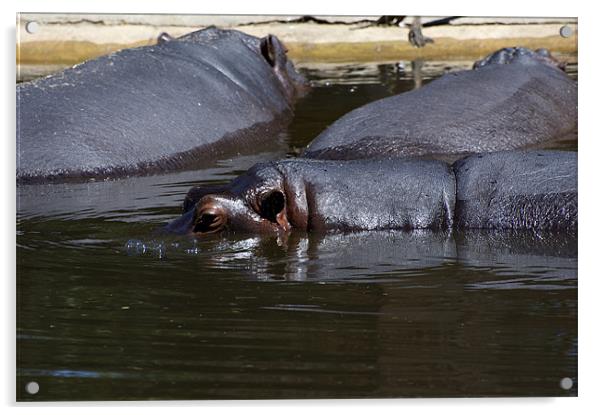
(67, 39)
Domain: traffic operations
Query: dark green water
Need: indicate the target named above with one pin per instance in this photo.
(104, 311)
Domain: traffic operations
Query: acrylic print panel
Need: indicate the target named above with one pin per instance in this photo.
(200, 214)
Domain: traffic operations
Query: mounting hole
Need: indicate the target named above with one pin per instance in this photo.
(566, 383)
(32, 388)
(566, 31)
(32, 27)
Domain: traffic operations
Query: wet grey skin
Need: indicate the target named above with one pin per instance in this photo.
(173, 105)
(504, 190)
(517, 190)
(513, 98)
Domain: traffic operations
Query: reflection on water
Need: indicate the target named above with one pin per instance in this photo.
(107, 310)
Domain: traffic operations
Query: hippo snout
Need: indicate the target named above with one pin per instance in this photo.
(181, 225)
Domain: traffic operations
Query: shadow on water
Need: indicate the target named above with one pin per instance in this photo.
(104, 311)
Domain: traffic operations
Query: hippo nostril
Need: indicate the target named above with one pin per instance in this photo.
(208, 222)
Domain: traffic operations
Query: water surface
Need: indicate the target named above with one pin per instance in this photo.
(107, 311)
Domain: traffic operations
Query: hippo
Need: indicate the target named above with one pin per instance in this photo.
(502, 190)
(511, 99)
(173, 105)
(517, 190)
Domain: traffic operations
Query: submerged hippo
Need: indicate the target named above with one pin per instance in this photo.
(171, 105)
(504, 190)
(512, 98)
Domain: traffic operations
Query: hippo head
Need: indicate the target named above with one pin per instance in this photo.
(519, 55)
(254, 202)
(274, 52)
(269, 48)
(324, 196)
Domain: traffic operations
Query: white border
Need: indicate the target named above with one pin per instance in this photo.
(589, 182)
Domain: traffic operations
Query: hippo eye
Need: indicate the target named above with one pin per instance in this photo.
(208, 222)
(271, 205)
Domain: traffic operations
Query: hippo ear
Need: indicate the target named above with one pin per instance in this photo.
(273, 51)
(271, 205)
(164, 37)
(266, 46)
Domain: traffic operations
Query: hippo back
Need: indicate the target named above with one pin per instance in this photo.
(494, 107)
(372, 194)
(160, 106)
(517, 190)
